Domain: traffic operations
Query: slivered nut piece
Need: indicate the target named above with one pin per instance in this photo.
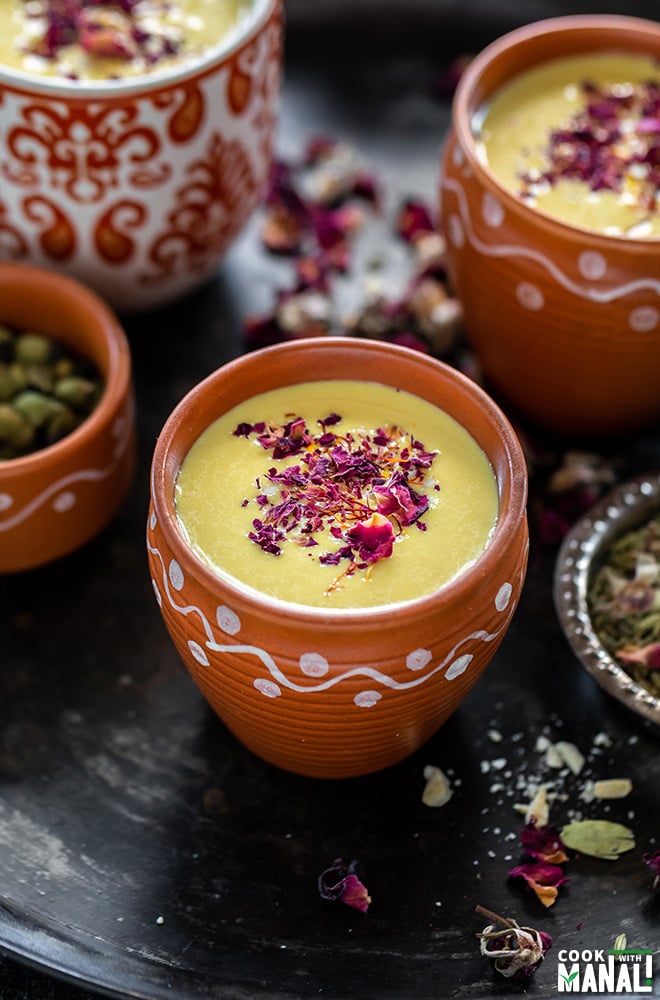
(538, 809)
(570, 755)
(437, 791)
(612, 788)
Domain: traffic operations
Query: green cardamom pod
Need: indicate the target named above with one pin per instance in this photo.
(15, 431)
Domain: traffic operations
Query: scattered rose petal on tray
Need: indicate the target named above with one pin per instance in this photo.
(516, 951)
(543, 843)
(340, 883)
(542, 878)
(653, 862)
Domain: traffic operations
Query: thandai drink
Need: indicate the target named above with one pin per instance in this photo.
(109, 39)
(579, 139)
(337, 494)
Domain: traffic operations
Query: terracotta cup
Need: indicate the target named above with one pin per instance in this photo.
(54, 500)
(336, 694)
(565, 322)
(137, 187)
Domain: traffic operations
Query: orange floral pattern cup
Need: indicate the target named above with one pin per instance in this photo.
(137, 187)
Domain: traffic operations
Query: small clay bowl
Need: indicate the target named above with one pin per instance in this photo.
(565, 322)
(582, 553)
(55, 499)
(340, 693)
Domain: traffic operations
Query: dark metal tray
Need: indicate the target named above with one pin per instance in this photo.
(144, 853)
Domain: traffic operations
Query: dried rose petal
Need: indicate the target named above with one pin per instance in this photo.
(319, 148)
(543, 878)
(653, 862)
(413, 219)
(543, 843)
(648, 656)
(281, 230)
(373, 539)
(340, 883)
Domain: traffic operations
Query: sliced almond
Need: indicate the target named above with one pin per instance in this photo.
(612, 788)
(571, 756)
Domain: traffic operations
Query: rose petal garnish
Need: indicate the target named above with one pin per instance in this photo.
(543, 843)
(598, 838)
(357, 487)
(543, 878)
(106, 30)
(372, 539)
(340, 883)
(605, 142)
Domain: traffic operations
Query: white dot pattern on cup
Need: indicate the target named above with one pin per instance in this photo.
(592, 265)
(228, 620)
(503, 596)
(64, 501)
(459, 666)
(198, 653)
(367, 699)
(418, 659)
(455, 231)
(159, 598)
(492, 211)
(176, 576)
(529, 296)
(6, 500)
(314, 665)
(644, 319)
(153, 520)
(268, 688)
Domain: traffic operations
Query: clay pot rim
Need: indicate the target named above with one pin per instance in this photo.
(101, 326)
(511, 480)
(467, 99)
(212, 58)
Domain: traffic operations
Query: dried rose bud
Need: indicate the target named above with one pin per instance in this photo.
(515, 951)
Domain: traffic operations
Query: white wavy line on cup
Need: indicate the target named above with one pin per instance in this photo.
(373, 674)
(84, 475)
(182, 609)
(275, 671)
(510, 250)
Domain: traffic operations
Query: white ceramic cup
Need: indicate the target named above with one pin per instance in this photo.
(137, 187)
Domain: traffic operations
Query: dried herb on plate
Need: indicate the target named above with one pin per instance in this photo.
(624, 603)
